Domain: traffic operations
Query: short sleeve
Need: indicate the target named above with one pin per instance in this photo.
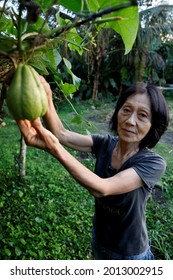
(97, 143)
(103, 144)
(150, 168)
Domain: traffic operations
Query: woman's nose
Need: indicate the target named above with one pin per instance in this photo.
(132, 119)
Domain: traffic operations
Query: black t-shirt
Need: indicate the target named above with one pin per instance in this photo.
(119, 221)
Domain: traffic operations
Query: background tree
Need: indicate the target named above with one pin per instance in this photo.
(149, 60)
(146, 61)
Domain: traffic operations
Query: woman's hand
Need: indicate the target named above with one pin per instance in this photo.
(51, 119)
(45, 85)
(47, 90)
(36, 135)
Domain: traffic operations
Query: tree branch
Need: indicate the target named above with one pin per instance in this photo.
(89, 18)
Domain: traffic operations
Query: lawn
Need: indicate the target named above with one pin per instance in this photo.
(48, 215)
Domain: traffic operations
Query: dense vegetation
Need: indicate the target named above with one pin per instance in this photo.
(48, 215)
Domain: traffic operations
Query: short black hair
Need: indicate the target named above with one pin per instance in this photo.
(159, 111)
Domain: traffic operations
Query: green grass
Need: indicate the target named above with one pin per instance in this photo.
(49, 216)
(160, 210)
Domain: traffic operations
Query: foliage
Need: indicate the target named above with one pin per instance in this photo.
(38, 32)
(34, 40)
(148, 59)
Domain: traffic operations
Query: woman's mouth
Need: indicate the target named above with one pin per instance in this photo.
(128, 131)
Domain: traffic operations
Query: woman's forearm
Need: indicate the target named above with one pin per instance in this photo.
(83, 175)
(53, 122)
(123, 182)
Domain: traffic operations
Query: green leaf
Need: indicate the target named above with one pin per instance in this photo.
(38, 63)
(41, 254)
(57, 57)
(7, 26)
(77, 119)
(52, 58)
(1, 204)
(38, 26)
(38, 220)
(126, 27)
(33, 254)
(67, 63)
(91, 5)
(18, 252)
(73, 5)
(102, 4)
(7, 252)
(74, 47)
(20, 194)
(76, 80)
(74, 41)
(7, 43)
(67, 89)
(23, 241)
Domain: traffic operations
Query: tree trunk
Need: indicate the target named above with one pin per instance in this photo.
(98, 60)
(2, 97)
(22, 158)
(140, 65)
(95, 87)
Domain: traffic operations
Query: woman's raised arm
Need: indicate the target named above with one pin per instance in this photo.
(53, 123)
(36, 135)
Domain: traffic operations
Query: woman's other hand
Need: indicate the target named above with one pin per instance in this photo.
(36, 135)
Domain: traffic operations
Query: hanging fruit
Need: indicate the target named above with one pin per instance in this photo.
(26, 97)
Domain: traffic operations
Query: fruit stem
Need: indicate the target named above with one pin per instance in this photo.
(21, 6)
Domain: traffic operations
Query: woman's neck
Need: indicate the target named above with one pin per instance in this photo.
(126, 149)
(122, 152)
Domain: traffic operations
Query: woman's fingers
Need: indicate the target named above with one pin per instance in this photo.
(37, 125)
(45, 85)
(27, 130)
(23, 125)
(35, 134)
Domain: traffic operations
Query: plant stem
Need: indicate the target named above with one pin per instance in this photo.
(22, 158)
(20, 25)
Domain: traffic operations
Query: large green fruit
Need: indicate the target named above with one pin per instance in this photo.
(26, 97)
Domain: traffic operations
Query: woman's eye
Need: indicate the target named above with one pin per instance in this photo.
(142, 115)
(126, 110)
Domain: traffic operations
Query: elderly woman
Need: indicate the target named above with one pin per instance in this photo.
(126, 169)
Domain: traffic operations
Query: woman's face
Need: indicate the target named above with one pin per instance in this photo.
(134, 118)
